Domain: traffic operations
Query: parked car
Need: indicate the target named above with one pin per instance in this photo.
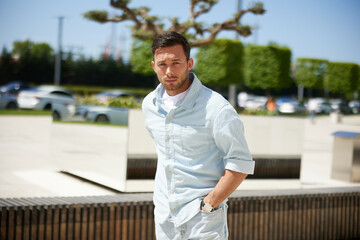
(318, 101)
(255, 102)
(104, 114)
(104, 97)
(14, 87)
(340, 106)
(325, 108)
(355, 106)
(289, 105)
(293, 106)
(8, 101)
(63, 111)
(43, 97)
(82, 110)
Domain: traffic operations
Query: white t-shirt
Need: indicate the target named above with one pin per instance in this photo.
(171, 102)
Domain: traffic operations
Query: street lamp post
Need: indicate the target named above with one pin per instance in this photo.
(57, 74)
(232, 87)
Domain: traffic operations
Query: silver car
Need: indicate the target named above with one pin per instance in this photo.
(43, 97)
(63, 111)
(104, 114)
(104, 97)
(8, 101)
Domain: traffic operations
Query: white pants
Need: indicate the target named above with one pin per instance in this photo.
(212, 226)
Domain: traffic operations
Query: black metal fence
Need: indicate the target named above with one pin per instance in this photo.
(288, 214)
(145, 168)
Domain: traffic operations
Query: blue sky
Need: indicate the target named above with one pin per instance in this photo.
(326, 29)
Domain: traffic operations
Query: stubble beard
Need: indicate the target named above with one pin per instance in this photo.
(171, 87)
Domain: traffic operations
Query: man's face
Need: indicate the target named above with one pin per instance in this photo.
(172, 69)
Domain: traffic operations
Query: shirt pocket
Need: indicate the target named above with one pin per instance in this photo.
(195, 140)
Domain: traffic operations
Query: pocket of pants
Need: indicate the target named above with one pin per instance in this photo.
(211, 225)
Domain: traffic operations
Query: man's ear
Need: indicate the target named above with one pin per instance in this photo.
(153, 65)
(190, 63)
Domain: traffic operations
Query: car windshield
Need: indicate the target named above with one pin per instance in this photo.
(61, 93)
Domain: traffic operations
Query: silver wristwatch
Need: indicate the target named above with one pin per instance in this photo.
(206, 207)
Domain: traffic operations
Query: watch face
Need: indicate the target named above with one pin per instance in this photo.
(207, 207)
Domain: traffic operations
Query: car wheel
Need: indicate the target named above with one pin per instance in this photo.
(47, 106)
(11, 105)
(102, 119)
(56, 115)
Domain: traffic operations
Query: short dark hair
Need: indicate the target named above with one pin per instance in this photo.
(170, 39)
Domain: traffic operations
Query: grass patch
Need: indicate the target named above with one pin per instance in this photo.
(25, 112)
(90, 123)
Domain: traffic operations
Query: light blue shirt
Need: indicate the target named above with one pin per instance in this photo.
(195, 143)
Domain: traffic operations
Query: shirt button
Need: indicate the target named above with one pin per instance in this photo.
(169, 156)
(174, 209)
(169, 118)
(168, 137)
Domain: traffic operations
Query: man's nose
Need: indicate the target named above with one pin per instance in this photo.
(169, 70)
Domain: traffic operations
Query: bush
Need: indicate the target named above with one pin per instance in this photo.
(260, 112)
(88, 100)
(124, 102)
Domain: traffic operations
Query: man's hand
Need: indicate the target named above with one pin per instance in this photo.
(227, 184)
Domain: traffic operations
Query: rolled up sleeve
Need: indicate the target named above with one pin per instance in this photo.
(228, 131)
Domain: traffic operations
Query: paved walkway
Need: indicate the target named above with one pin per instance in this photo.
(27, 168)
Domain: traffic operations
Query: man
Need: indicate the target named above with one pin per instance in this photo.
(202, 152)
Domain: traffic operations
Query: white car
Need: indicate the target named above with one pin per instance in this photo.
(291, 107)
(255, 102)
(43, 97)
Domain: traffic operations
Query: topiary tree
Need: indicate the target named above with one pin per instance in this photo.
(267, 67)
(221, 62)
(310, 73)
(147, 27)
(342, 78)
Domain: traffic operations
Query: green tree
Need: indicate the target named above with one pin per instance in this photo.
(34, 61)
(6, 67)
(342, 78)
(220, 63)
(141, 57)
(267, 67)
(147, 27)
